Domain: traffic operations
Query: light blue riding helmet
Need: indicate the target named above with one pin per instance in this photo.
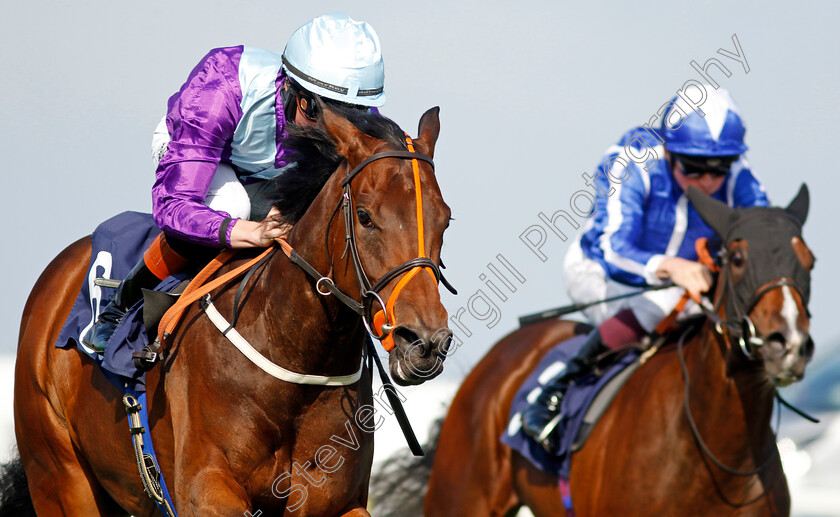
(338, 58)
(719, 133)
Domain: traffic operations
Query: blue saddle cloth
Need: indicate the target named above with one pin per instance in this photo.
(117, 245)
(574, 405)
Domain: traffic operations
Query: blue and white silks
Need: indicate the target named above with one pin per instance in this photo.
(646, 216)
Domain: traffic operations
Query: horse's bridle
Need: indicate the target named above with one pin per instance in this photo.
(381, 324)
(740, 326)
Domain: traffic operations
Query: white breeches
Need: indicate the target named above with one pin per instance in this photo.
(226, 193)
(587, 282)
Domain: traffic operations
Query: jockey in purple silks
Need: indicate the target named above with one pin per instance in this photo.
(643, 234)
(221, 140)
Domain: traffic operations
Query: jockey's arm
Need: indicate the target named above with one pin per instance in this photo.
(623, 224)
(199, 137)
(693, 276)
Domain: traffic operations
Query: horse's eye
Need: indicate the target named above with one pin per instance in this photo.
(737, 259)
(364, 218)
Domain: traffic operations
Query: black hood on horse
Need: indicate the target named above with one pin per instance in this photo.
(773, 258)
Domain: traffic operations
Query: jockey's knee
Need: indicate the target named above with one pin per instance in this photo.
(227, 194)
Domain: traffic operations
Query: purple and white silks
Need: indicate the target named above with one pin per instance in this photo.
(228, 110)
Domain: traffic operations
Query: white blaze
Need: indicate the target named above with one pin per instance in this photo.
(790, 313)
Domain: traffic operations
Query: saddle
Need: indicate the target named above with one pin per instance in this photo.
(155, 305)
(583, 404)
(116, 246)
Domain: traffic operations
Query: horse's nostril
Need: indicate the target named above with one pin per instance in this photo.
(412, 339)
(441, 342)
(776, 337)
(775, 346)
(807, 349)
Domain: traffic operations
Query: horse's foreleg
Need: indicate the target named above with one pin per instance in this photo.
(212, 493)
(471, 476)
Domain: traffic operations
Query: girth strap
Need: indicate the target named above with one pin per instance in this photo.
(144, 453)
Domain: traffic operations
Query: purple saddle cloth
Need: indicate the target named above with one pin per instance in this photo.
(117, 245)
(574, 405)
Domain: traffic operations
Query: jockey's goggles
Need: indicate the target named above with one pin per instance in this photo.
(694, 167)
(305, 101)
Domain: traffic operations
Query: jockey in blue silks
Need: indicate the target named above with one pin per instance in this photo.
(221, 142)
(643, 234)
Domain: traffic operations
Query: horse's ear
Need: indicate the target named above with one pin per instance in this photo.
(350, 142)
(798, 208)
(428, 131)
(715, 213)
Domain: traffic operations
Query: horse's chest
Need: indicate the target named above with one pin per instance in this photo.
(323, 468)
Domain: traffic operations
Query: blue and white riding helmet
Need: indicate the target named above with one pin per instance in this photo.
(337, 58)
(719, 133)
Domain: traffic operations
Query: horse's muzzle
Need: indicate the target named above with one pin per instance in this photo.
(418, 354)
(785, 359)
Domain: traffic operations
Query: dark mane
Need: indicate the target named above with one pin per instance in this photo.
(316, 159)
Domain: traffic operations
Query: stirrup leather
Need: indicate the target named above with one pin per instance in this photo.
(149, 471)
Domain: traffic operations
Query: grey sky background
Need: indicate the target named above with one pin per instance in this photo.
(531, 94)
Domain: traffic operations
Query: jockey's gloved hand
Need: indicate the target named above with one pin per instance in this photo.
(693, 276)
(248, 234)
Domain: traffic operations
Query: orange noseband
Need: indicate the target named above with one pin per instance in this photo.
(385, 321)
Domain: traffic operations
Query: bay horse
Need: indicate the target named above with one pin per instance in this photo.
(643, 458)
(230, 439)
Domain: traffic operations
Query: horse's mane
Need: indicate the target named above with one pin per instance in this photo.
(315, 159)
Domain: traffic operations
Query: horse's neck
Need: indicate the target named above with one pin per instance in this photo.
(730, 401)
(327, 334)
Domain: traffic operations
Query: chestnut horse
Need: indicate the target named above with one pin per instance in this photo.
(643, 458)
(229, 438)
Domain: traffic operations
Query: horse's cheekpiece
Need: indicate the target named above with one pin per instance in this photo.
(383, 322)
(772, 265)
